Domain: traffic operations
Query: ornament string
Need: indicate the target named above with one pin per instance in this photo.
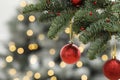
(71, 31)
(114, 50)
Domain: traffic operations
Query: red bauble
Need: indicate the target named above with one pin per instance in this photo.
(70, 54)
(76, 2)
(111, 69)
(90, 13)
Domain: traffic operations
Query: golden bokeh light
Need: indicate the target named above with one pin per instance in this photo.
(50, 72)
(37, 75)
(12, 71)
(52, 51)
(33, 46)
(29, 32)
(33, 59)
(67, 30)
(31, 18)
(82, 47)
(29, 73)
(20, 17)
(20, 50)
(84, 77)
(53, 78)
(9, 59)
(41, 36)
(23, 4)
(16, 79)
(12, 48)
(104, 57)
(62, 64)
(79, 64)
(26, 78)
(51, 64)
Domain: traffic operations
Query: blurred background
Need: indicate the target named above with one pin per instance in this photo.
(27, 54)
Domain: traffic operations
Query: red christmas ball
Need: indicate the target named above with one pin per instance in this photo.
(76, 2)
(70, 53)
(111, 69)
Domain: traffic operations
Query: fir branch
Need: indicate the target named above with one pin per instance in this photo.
(46, 17)
(116, 8)
(91, 31)
(98, 46)
(58, 24)
(41, 6)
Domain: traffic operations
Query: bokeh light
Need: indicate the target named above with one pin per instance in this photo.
(23, 3)
(29, 32)
(104, 57)
(51, 64)
(67, 30)
(37, 75)
(84, 77)
(33, 46)
(29, 73)
(20, 50)
(31, 18)
(53, 78)
(9, 59)
(20, 17)
(12, 71)
(33, 59)
(62, 64)
(26, 78)
(52, 51)
(50, 72)
(41, 36)
(79, 64)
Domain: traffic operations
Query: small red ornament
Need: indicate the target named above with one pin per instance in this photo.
(111, 69)
(90, 13)
(108, 20)
(58, 13)
(82, 28)
(70, 54)
(76, 2)
(95, 2)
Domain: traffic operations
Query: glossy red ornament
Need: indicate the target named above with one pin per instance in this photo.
(70, 53)
(111, 69)
(95, 2)
(76, 2)
(82, 28)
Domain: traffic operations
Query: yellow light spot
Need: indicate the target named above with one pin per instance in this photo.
(37, 75)
(41, 36)
(84, 77)
(26, 78)
(51, 64)
(30, 73)
(53, 78)
(29, 32)
(12, 71)
(20, 17)
(12, 48)
(104, 57)
(50, 72)
(16, 78)
(9, 59)
(31, 18)
(62, 64)
(20, 50)
(79, 64)
(52, 51)
(23, 4)
(67, 30)
(33, 46)
(82, 47)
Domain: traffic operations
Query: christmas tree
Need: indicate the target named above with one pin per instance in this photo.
(33, 56)
(95, 21)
